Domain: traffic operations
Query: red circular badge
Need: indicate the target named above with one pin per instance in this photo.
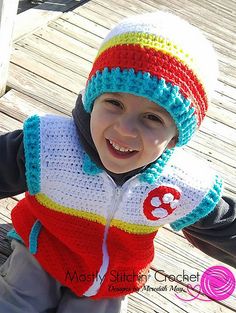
(160, 202)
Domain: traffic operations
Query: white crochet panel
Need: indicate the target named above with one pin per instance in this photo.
(180, 188)
(62, 178)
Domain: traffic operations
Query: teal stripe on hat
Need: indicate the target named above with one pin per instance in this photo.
(143, 84)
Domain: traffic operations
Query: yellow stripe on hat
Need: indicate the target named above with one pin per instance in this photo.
(152, 41)
(47, 202)
(134, 228)
(147, 40)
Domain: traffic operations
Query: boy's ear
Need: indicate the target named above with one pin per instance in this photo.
(172, 142)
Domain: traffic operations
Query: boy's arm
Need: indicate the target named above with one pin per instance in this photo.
(215, 234)
(12, 164)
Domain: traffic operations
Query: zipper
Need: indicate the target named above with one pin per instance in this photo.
(117, 196)
(94, 288)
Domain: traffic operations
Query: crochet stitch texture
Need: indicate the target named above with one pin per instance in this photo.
(78, 222)
(160, 57)
(74, 219)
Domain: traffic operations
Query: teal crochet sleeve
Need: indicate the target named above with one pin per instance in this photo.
(31, 140)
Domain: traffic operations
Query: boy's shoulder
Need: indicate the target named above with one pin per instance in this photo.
(191, 172)
(47, 118)
(199, 185)
(185, 160)
(39, 124)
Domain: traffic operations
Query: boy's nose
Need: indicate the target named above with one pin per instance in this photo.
(126, 126)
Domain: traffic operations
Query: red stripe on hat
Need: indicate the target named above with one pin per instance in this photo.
(158, 64)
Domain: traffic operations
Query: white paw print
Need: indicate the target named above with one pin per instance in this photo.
(161, 202)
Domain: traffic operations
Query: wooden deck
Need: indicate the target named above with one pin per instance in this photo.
(51, 59)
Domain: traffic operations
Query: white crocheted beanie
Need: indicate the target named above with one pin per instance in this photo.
(163, 58)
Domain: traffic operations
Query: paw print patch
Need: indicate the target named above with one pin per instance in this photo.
(160, 202)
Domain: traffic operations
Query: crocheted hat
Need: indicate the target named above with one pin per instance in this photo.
(160, 57)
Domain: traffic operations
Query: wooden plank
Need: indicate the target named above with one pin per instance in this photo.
(56, 54)
(138, 303)
(227, 78)
(8, 10)
(67, 43)
(166, 298)
(47, 69)
(8, 124)
(66, 27)
(222, 100)
(223, 9)
(229, 193)
(196, 12)
(186, 257)
(227, 93)
(20, 106)
(96, 18)
(140, 6)
(39, 16)
(219, 113)
(41, 89)
(122, 7)
(6, 206)
(101, 11)
(159, 302)
(219, 130)
(84, 23)
(210, 8)
(214, 147)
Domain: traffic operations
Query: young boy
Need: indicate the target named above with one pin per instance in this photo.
(100, 185)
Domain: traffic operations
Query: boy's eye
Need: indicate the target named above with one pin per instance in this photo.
(114, 102)
(153, 117)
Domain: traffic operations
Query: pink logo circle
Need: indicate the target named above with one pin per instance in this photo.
(218, 282)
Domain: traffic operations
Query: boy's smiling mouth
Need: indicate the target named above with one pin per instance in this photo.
(119, 148)
(119, 151)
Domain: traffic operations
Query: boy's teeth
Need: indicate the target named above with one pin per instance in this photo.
(117, 147)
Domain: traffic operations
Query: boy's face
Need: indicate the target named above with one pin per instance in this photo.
(130, 131)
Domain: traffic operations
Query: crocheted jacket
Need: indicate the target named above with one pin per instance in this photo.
(91, 235)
